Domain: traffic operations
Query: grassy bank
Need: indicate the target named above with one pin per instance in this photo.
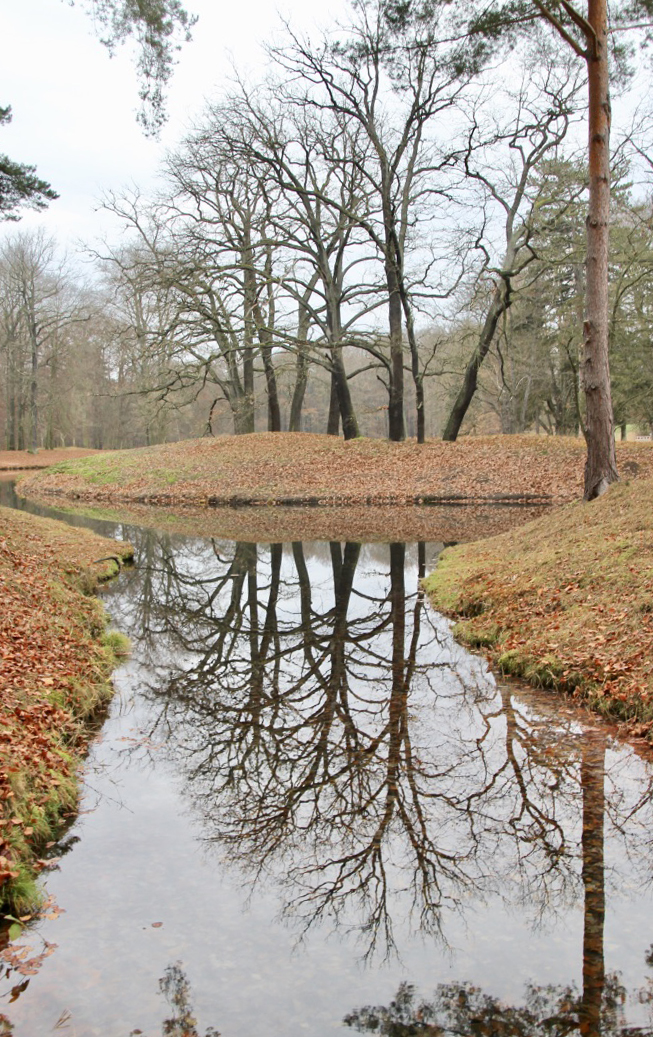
(294, 468)
(565, 601)
(55, 661)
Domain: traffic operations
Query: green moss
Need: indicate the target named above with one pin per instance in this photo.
(21, 895)
(476, 636)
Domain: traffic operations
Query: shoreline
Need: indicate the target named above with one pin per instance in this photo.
(56, 658)
(564, 602)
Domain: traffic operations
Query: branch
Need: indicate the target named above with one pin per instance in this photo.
(557, 24)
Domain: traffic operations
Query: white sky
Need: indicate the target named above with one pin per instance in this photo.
(74, 107)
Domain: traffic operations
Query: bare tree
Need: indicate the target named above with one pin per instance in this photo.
(392, 88)
(505, 162)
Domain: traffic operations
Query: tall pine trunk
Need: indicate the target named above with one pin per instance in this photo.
(601, 465)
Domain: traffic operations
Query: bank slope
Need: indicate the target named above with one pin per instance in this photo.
(565, 601)
(55, 661)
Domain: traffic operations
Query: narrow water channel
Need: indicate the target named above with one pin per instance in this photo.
(311, 812)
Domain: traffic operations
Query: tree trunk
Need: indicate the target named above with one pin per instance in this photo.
(498, 306)
(339, 382)
(396, 427)
(12, 403)
(299, 391)
(242, 412)
(249, 414)
(248, 419)
(345, 404)
(33, 397)
(274, 410)
(418, 377)
(264, 325)
(333, 420)
(601, 465)
(301, 371)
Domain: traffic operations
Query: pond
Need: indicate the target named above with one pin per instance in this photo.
(311, 812)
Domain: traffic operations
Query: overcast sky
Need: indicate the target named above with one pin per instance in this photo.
(74, 107)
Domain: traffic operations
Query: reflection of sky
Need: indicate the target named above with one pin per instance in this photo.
(142, 857)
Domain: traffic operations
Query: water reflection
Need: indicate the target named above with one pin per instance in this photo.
(175, 987)
(463, 1009)
(599, 1009)
(343, 755)
(335, 741)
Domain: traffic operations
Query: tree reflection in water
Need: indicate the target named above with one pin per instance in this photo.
(463, 1009)
(336, 741)
(295, 723)
(597, 1011)
(175, 987)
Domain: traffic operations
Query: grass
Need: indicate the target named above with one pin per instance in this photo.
(565, 602)
(56, 657)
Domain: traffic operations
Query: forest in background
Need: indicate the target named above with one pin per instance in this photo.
(332, 248)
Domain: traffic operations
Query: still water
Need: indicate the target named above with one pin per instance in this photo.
(311, 812)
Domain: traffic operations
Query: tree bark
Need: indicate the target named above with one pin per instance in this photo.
(33, 392)
(345, 404)
(247, 418)
(418, 377)
(301, 370)
(601, 464)
(274, 410)
(299, 391)
(242, 410)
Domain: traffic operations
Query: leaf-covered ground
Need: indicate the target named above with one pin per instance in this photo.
(12, 460)
(565, 601)
(55, 659)
(278, 468)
